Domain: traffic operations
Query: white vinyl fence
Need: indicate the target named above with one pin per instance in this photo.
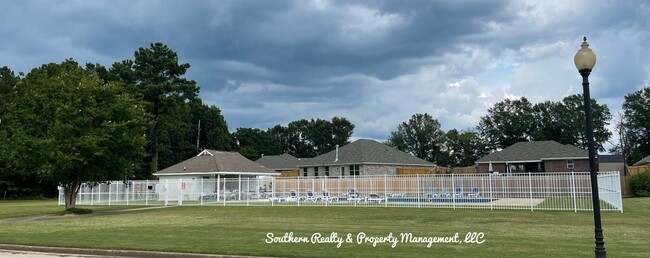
(523, 191)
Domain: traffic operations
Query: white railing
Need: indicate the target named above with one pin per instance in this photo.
(523, 191)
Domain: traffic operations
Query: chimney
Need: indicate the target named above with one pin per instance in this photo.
(337, 154)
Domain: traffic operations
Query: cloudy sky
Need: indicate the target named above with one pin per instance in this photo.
(374, 62)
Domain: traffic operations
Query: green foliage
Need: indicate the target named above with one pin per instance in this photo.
(512, 121)
(640, 183)
(156, 76)
(507, 123)
(309, 138)
(421, 136)
(77, 127)
(252, 143)
(636, 109)
(464, 148)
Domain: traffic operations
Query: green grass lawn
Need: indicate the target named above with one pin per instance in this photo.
(22, 208)
(243, 230)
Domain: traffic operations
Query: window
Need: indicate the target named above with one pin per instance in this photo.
(569, 164)
(342, 171)
(327, 171)
(316, 171)
(354, 170)
(304, 171)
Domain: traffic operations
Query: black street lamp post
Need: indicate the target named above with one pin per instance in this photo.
(585, 60)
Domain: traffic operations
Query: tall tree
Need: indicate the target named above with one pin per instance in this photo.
(547, 121)
(464, 148)
(507, 123)
(77, 127)
(310, 138)
(572, 122)
(512, 121)
(157, 77)
(636, 108)
(421, 136)
(253, 143)
(211, 127)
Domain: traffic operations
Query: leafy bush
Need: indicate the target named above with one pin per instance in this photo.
(640, 183)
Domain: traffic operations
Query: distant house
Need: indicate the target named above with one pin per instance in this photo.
(208, 169)
(285, 164)
(611, 163)
(643, 162)
(362, 157)
(536, 156)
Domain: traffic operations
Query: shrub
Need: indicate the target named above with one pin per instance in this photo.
(640, 183)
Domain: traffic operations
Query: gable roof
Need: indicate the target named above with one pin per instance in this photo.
(217, 162)
(616, 158)
(364, 151)
(643, 161)
(536, 151)
(280, 162)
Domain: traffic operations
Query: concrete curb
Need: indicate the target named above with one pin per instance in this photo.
(118, 253)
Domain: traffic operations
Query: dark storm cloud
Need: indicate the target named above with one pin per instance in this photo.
(375, 62)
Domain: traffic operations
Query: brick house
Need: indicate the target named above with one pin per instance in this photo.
(360, 158)
(536, 156)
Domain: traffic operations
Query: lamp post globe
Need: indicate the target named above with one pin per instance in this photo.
(585, 60)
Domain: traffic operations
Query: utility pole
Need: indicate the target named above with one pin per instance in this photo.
(198, 136)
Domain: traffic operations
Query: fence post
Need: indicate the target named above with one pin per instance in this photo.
(126, 190)
(179, 193)
(201, 193)
(248, 190)
(491, 194)
(117, 192)
(218, 186)
(417, 178)
(99, 193)
(385, 193)
(298, 192)
(92, 196)
(166, 192)
(620, 191)
(573, 191)
(530, 188)
(239, 188)
(109, 194)
(273, 191)
(453, 191)
(146, 195)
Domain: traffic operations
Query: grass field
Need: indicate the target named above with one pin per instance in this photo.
(9, 209)
(243, 230)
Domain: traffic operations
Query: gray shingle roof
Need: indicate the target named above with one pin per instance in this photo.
(280, 162)
(643, 161)
(220, 161)
(367, 152)
(537, 150)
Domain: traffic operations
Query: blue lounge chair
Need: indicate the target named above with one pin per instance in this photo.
(475, 192)
(432, 192)
(328, 198)
(311, 196)
(459, 192)
(445, 192)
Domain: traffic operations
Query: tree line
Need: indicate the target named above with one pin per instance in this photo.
(66, 123)
(62, 124)
(512, 121)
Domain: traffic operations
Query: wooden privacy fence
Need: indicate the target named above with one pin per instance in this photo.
(436, 170)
